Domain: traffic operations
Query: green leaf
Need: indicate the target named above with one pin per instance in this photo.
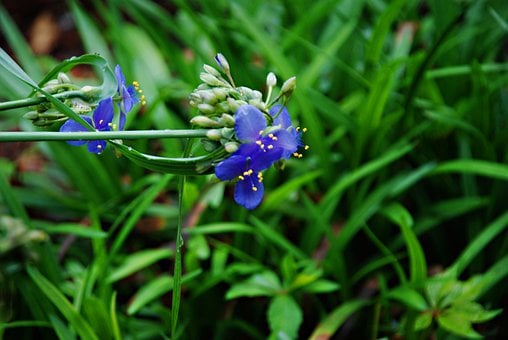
(263, 284)
(417, 263)
(75, 229)
(474, 167)
(284, 317)
(336, 318)
(478, 244)
(61, 330)
(457, 323)
(473, 312)
(137, 261)
(13, 68)
(408, 297)
(149, 292)
(423, 321)
(64, 306)
(321, 286)
(96, 313)
(114, 319)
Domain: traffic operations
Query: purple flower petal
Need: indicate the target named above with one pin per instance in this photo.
(230, 168)
(96, 146)
(120, 79)
(103, 115)
(249, 121)
(288, 141)
(121, 121)
(73, 126)
(249, 192)
(281, 118)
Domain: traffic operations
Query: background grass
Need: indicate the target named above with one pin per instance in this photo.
(405, 103)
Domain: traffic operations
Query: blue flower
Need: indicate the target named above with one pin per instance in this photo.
(101, 121)
(128, 96)
(262, 145)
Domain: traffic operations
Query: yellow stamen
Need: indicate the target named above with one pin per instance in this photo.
(307, 147)
(270, 146)
(241, 178)
(304, 129)
(254, 188)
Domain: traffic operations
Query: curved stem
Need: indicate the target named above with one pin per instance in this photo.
(31, 101)
(41, 136)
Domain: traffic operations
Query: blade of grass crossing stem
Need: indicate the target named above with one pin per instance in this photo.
(478, 244)
(328, 327)
(62, 304)
(417, 264)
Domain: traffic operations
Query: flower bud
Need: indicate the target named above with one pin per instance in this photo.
(222, 62)
(211, 80)
(206, 108)
(271, 79)
(63, 78)
(231, 147)
(214, 134)
(211, 70)
(205, 122)
(227, 120)
(288, 87)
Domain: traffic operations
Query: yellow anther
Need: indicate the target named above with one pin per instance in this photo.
(258, 142)
(241, 178)
(307, 147)
(295, 154)
(304, 129)
(270, 146)
(246, 173)
(250, 171)
(254, 188)
(297, 128)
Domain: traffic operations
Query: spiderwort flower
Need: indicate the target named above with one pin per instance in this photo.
(101, 121)
(262, 145)
(128, 95)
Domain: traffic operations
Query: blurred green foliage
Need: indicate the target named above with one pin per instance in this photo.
(393, 223)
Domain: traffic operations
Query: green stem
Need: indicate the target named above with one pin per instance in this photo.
(24, 136)
(31, 101)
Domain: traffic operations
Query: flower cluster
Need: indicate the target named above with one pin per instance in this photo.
(256, 131)
(102, 118)
(261, 146)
